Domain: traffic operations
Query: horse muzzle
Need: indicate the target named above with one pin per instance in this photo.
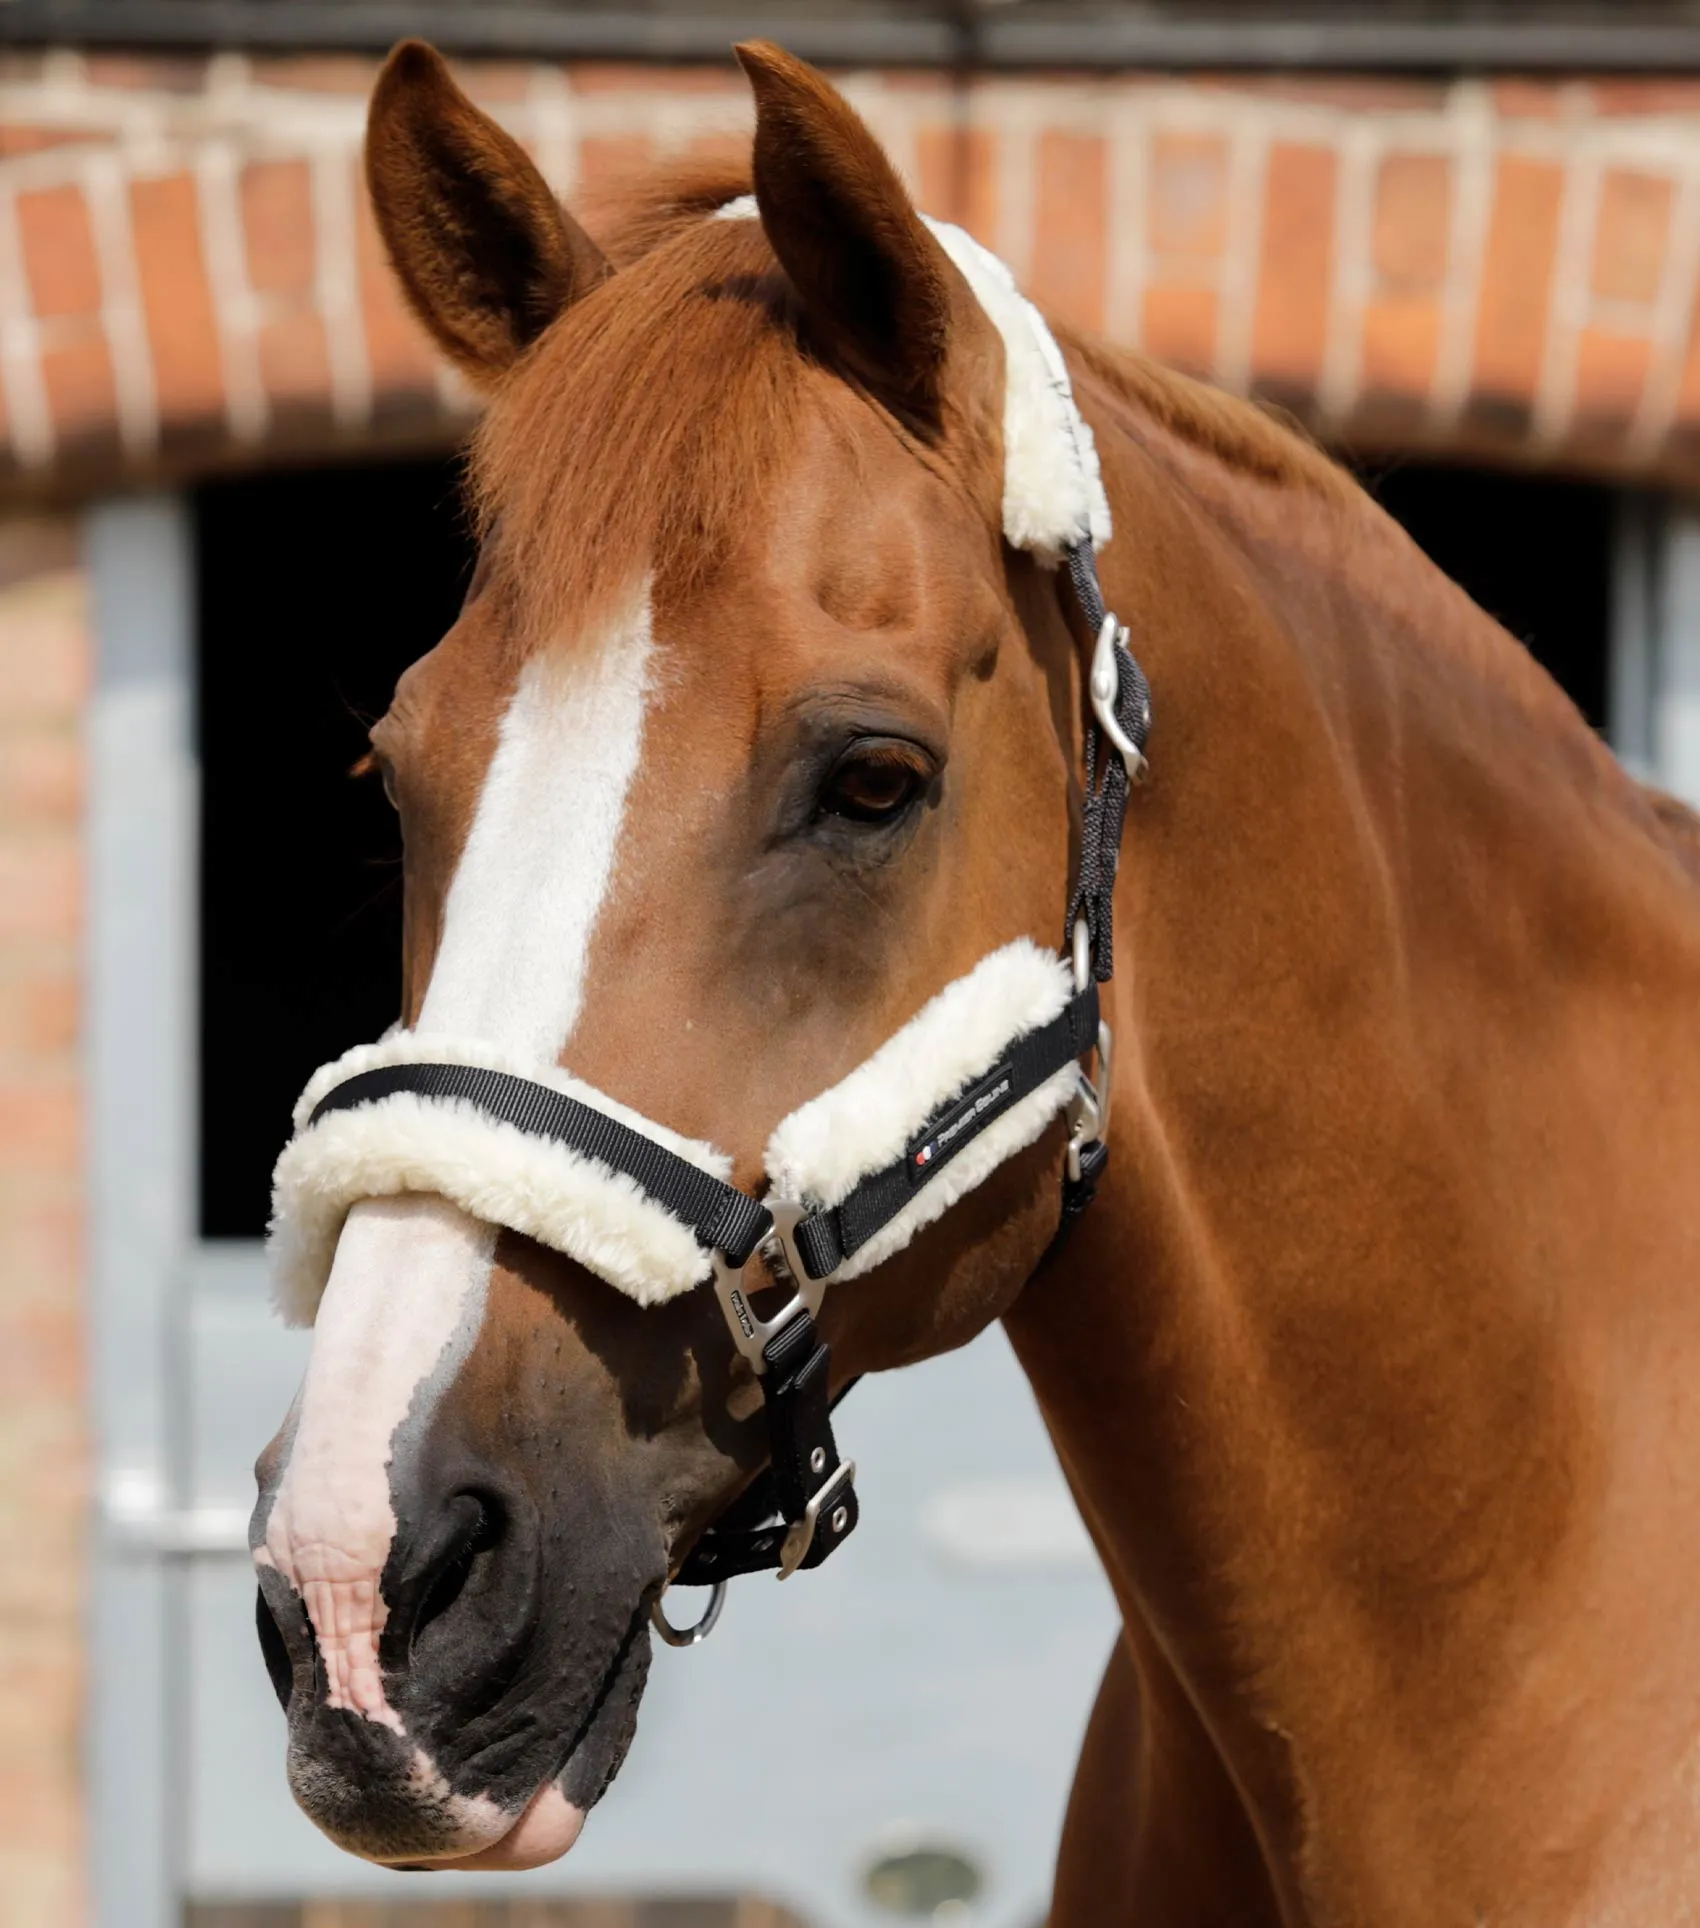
(468, 1706)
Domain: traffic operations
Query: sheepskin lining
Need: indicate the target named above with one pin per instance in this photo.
(409, 1143)
(494, 1171)
(1053, 491)
(825, 1148)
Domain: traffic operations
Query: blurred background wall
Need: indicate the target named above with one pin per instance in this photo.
(1461, 243)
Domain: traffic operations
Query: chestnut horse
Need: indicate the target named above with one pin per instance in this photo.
(1373, 1365)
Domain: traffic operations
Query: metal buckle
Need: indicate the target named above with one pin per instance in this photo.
(1105, 687)
(749, 1333)
(1089, 1109)
(800, 1535)
(687, 1636)
(751, 1336)
(1082, 955)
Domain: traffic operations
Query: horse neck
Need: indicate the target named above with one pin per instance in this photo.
(1329, 1363)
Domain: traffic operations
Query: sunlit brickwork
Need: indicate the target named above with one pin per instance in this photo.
(188, 270)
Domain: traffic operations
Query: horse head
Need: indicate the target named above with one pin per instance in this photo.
(754, 738)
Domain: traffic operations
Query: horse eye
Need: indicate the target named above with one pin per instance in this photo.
(872, 784)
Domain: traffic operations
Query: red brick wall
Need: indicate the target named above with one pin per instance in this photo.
(43, 675)
(188, 271)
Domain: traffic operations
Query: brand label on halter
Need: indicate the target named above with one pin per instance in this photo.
(956, 1125)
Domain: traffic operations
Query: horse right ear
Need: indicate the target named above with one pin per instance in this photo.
(876, 286)
(484, 253)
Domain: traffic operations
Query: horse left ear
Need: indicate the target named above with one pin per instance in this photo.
(876, 286)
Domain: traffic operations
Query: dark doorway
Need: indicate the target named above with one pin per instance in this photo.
(1535, 551)
(315, 591)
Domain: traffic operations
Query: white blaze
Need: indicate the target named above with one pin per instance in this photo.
(332, 1521)
(516, 931)
(410, 1273)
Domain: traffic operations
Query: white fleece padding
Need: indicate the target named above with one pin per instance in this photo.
(1053, 490)
(825, 1148)
(407, 1143)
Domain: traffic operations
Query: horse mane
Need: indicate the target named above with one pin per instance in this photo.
(634, 215)
(1247, 437)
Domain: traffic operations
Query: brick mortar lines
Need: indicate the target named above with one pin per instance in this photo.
(1671, 320)
(158, 134)
(22, 382)
(1569, 303)
(107, 186)
(1471, 159)
(246, 113)
(1359, 153)
(1127, 271)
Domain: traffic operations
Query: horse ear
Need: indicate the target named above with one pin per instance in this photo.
(484, 253)
(874, 283)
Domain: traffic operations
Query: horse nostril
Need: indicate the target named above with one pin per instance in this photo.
(479, 1523)
(276, 1652)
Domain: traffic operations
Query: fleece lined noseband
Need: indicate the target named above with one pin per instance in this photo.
(972, 1079)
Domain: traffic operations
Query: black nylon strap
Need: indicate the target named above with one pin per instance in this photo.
(1081, 565)
(1079, 1192)
(749, 1535)
(797, 1398)
(1104, 799)
(824, 1240)
(723, 1218)
(746, 1538)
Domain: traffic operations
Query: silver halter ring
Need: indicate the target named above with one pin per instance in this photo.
(687, 1636)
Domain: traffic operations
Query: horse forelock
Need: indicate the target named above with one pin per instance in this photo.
(639, 436)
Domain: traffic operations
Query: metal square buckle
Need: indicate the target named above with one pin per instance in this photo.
(751, 1334)
(801, 1534)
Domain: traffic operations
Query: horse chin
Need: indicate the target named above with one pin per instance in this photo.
(406, 1797)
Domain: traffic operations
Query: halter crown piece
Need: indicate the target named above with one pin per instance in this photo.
(973, 1078)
